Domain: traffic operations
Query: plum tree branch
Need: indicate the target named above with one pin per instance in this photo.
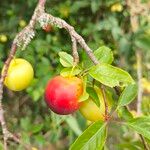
(20, 37)
(49, 19)
(139, 75)
(75, 51)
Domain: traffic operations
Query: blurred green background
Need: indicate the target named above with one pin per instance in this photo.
(100, 22)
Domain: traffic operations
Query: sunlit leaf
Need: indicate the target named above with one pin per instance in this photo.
(128, 95)
(65, 59)
(70, 72)
(93, 138)
(141, 125)
(110, 75)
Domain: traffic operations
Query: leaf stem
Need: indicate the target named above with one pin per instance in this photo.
(146, 147)
(105, 103)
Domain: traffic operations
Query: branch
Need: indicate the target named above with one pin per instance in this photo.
(5, 132)
(75, 51)
(139, 75)
(49, 19)
(42, 2)
(146, 147)
(138, 9)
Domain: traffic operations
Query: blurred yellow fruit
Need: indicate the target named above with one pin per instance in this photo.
(3, 38)
(146, 85)
(64, 11)
(116, 7)
(20, 74)
(91, 111)
(34, 148)
(147, 31)
(22, 23)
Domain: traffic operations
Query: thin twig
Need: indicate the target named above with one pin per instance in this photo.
(105, 103)
(63, 24)
(75, 51)
(146, 147)
(139, 75)
(6, 133)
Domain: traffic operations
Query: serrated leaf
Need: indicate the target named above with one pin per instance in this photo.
(92, 93)
(141, 125)
(65, 59)
(110, 76)
(93, 138)
(70, 72)
(104, 55)
(128, 95)
(72, 122)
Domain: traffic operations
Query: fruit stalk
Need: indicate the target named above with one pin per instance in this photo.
(105, 103)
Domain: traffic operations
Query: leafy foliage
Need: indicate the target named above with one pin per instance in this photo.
(105, 26)
(141, 125)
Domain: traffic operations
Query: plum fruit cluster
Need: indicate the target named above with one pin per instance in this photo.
(62, 94)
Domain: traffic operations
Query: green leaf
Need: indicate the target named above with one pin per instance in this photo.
(93, 138)
(65, 59)
(104, 55)
(143, 42)
(95, 4)
(25, 123)
(40, 140)
(70, 71)
(128, 95)
(141, 125)
(85, 95)
(36, 128)
(133, 145)
(72, 122)
(124, 113)
(92, 93)
(110, 75)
